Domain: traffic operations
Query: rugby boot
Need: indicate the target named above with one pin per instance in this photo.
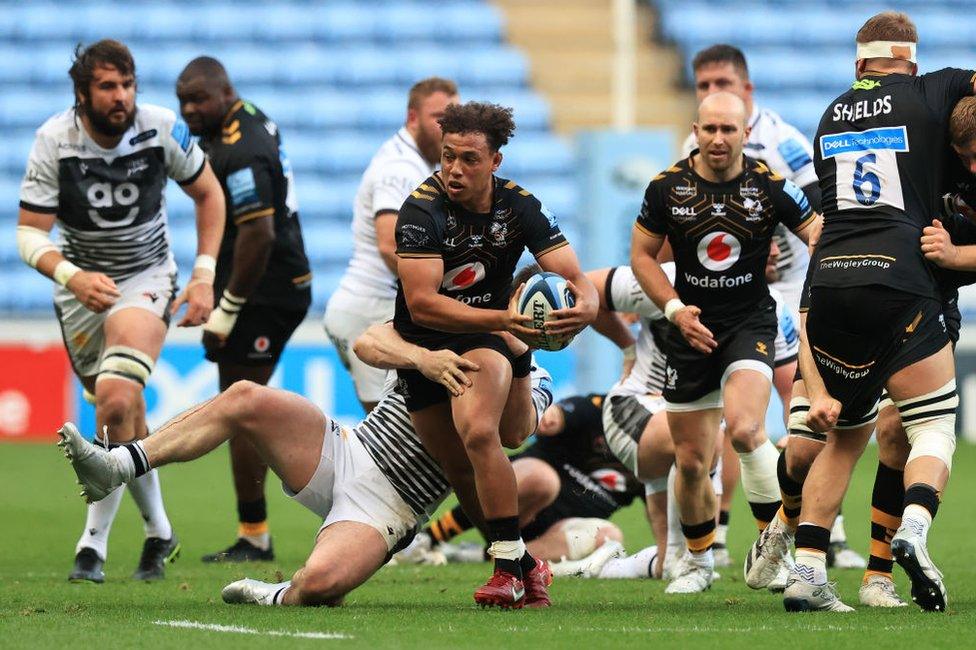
(156, 552)
(909, 549)
(88, 567)
(503, 590)
(537, 583)
(242, 551)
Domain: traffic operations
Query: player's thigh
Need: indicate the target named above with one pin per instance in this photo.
(924, 376)
(655, 451)
(480, 406)
(346, 554)
(287, 430)
(746, 398)
(137, 328)
(344, 322)
(694, 434)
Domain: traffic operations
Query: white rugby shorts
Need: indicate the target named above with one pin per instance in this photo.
(347, 316)
(153, 290)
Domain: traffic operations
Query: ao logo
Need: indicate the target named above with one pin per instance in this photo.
(718, 251)
(104, 195)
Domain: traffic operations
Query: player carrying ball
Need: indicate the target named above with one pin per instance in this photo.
(459, 237)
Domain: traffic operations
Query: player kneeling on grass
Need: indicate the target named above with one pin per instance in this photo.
(373, 484)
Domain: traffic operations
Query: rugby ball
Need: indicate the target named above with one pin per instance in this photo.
(543, 294)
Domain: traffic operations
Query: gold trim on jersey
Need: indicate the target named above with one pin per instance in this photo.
(843, 363)
(419, 256)
(510, 185)
(806, 222)
(648, 232)
(551, 249)
(302, 279)
(417, 195)
(852, 257)
(236, 106)
(257, 214)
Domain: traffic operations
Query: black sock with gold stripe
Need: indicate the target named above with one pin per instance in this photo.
(449, 525)
(699, 537)
(886, 506)
(791, 491)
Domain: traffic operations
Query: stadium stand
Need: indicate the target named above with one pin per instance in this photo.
(334, 75)
(800, 52)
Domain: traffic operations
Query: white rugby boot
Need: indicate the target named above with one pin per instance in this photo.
(416, 552)
(803, 596)
(778, 584)
(842, 556)
(589, 566)
(722, 557)
(689, 577)
(99, 472)
(879, 591)
(254, 592)
(767, 554)
(908, 547)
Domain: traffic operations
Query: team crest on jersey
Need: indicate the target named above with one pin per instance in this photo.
(451, 221)
(718, 250)
(754, 206)
(135, 166)
(761, 348)
(498, 231)
(462, 277)
(672, 378)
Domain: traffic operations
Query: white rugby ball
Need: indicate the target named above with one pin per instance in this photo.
(543, 294)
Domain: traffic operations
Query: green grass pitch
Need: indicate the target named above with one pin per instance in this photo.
(41, 516)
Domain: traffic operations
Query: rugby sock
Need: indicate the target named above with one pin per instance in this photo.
(812, 542)
(101, 514)
(722, 530)
(506, 547)
(887, 500)
(148, 495)
(132, 458)
(449, 525)
(700, 538)
(252, 517)
(526, 563)
(792, 493)
(759, 482)
(638, 565)
(921, 506)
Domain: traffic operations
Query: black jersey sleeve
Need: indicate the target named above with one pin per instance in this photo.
(943, 88)
(418, 233)
(652, 219)
(789, 203)
(961, 230)
(542, 233)
(250, 190)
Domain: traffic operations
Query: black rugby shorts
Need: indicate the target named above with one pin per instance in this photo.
(861, 336)
(259, 336)
(691, 375)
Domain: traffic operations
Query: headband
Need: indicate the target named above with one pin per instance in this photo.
(903, 50)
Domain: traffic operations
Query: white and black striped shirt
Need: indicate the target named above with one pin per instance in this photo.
(110, 203)
(391, 441)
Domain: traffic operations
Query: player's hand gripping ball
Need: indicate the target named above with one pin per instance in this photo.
(545, 293)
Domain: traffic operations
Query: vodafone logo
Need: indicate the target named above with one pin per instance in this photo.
(718, 251)
(610, 479)
(462, 277)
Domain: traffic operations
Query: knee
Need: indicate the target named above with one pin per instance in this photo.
(744, 432)
(245, 398)
(690, 461)
(893, 447)
(320, 585)
(798, 465)
(114, 405)
(479, 438)
(537, 484)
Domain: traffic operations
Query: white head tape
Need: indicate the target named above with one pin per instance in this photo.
(904, 50)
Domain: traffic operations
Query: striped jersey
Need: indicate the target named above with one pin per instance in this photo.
(391, 441)
(110, 203)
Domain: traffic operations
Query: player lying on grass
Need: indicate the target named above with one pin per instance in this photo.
(373, 484)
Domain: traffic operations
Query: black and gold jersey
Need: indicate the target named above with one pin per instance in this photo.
(720, 232)
(479, 251)
(250, 162)
(880, 157)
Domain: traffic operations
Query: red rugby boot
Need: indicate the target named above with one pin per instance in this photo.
(537, 582)
(502, 590)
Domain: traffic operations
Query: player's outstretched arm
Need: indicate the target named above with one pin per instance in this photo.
(208, 201)
(655, 283)
(570, 321)
(382, 347)
(96, 291)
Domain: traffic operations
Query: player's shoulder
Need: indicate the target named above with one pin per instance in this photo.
(511, 194)
(676, 173)
(399, 153)
(61, 129)
(776, 127)
(428, 197)
(149, 116)
(762, 171)
(247, 131)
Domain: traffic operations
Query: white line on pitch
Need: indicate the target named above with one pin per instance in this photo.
(237, 629)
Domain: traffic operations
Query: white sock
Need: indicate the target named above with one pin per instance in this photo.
(125, 462)
(262, 541)
(274, 593)
(705, 559)
(759, 474)
(837, 532)
(811, 566)
(638, 565)
(675, 536)
(101, 514)
(146, 492)
(918, 518)
(721, 534)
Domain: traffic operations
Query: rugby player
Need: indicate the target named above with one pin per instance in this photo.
(262, 271)
(781, 147)
(459, 237)
(367, 291)
(99, 170)
(374, 484)
(718, 210)
(876, 319)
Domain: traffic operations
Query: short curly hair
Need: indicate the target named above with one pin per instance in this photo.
(493, 120)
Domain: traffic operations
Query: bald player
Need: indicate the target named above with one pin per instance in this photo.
(262, 270)
(718, 209)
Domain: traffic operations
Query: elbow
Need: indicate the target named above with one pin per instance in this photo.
(361, 347)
